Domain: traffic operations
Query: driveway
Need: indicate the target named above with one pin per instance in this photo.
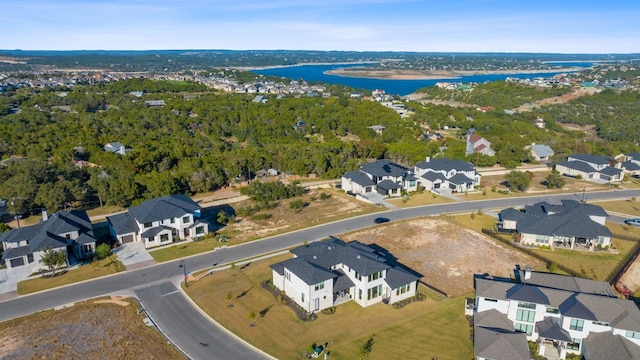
(133, 255)
(9, 284)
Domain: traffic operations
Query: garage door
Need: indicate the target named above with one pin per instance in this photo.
(127, 239)
(17, 262)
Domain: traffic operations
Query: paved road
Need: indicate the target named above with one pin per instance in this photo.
(144, 281)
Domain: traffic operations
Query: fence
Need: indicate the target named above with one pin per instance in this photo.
(612, 278)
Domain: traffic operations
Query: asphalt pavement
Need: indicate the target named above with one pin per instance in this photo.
(147, 282)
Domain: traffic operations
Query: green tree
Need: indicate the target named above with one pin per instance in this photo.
(517, 181)
(252, 317)
(367, 347)
(297, 204)
(555, 180)
(102, 251)
(54, 259)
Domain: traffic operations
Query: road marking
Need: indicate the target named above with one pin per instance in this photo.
(173, 292)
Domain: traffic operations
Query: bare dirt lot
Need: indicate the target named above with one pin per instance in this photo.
(446, 254)
(110, 329)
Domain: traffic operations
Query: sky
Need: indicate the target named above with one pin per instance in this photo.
(559, 26)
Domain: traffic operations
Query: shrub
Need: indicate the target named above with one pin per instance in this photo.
(261, 216)
(324, 196)
(102, 251)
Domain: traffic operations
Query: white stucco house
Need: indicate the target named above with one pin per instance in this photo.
(330, 272)
(569, 225)
(446, 175)
(159, 221)
(560, 314)
(381, 176)
(68, 231)
(591, 167)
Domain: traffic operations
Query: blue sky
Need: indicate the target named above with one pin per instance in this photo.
(361, 25)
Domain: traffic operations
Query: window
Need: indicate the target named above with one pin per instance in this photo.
(302, 296)
(552, 310)
(359, 294)
(633, 334)
(374, 292)
(412, 183)
(542, 239)
(358, 276)
(68, 236)
(526, 305)
(525, 328)
(287, 275)
(147, 225)
(319, 286)
(525, 315)
(186, 219)
(200, 230)
(375, 276)
(403, 289)
(574, 344)
(29, 258)
(576, 324)
(164, 237)
(173, 220)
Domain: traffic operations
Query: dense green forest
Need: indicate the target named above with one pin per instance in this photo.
(206, 140)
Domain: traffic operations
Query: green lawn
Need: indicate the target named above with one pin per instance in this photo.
(90, 271)
(426, 198)
(433, 328)
(208, 243)
(629, 207)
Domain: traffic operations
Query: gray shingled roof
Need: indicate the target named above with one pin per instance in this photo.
(151, 232)
(308, 272)
(398, 276)
(359, 178)
(550, 329)
(611, 171)
(578, 165)
(542, 150)
(631, 166)
(444, 164)
(434, 176)
(459, 179)
(492, 319)
(384, 168)
(123, 223)
(634, 155)
(388, 185)
(605, 346)
(48, 234)
(342, 282)
(594, 159)
(621, 314)
(569, 283)
(499, 344)
(572, 218)
(166, 207)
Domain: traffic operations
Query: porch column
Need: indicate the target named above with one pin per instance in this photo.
(573, 242)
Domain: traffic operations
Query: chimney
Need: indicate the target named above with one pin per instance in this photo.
(527, 273)
(45, 217)
(428, 159)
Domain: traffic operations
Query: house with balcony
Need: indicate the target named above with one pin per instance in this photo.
(68, 231)
(381, 176)
(330, 272)
(160, 221)
(570, 225)
(560, 314)
(591, 167)
(446, 175)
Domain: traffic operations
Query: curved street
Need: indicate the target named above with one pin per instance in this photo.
(193, 332)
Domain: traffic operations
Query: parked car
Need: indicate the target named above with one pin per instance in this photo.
(380, 220)
(634, 222)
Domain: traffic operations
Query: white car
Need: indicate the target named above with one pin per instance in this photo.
(634, 222)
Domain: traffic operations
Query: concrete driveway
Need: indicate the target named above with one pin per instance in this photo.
(9, 284)
(133, 255)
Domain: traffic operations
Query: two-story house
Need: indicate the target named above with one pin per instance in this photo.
(570, 225)
(591, 167)
(446, 174)
(68, 231)
(159, 221)
(331, 272)
(631, 165)
(477, 144)
(560, 314)
(381, 176)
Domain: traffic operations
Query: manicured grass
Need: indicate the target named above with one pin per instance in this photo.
(208, 243)
(279, 220)
(90, 271)
(629, 207)
(426, 198)
(433, 328)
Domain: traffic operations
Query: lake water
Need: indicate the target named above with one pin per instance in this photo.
(399, 87)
